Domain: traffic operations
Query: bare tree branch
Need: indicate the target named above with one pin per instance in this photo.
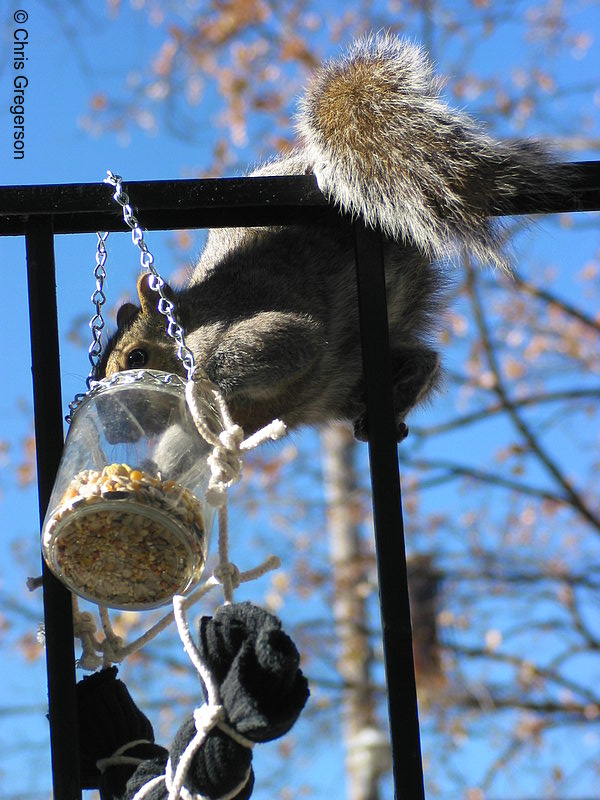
(498, 408)
(572, 497)
(452, 471)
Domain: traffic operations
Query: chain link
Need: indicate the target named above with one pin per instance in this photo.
(157, 284)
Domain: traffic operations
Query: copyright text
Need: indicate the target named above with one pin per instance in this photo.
(20, 45)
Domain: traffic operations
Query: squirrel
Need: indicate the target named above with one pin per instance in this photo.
(271, 313)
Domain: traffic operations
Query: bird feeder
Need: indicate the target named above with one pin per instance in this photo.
(128, 523)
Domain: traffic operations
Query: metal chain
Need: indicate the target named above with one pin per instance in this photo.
(96, 324)
(98, 298)
(157, 284)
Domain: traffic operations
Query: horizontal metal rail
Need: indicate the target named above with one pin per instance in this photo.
(214, 202)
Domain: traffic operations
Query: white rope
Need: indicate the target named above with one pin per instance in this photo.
(208, 716)
(84, 628)
(270, 563)
(225, 461)
(225, 464)
(147, 787)
(112, 645)
(113, 649)
(119, 758)
(192, 651)
(205, 718)
(274, 430)
(233, 734)
(163, 622)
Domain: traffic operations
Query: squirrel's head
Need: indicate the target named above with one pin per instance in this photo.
(141, 340)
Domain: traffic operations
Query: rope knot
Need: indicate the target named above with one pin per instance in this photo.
(207, 717)
(112, 648)
(228, 571)
(225, 465)
(89, 662)
(232, 437)
(83, 622)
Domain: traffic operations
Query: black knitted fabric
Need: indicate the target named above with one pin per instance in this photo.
(107, 718)
(148, 770)
(114, 780)
(255, 667)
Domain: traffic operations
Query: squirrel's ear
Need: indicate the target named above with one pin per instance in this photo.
(148, 297)
(125, 314)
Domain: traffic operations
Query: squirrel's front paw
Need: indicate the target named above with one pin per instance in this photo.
(361, 431)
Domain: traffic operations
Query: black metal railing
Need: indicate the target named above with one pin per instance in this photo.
(40, 212)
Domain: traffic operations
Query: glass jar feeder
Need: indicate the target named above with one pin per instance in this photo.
(127, 525)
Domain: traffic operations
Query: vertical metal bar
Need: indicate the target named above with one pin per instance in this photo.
(387, 511)
(60, 658)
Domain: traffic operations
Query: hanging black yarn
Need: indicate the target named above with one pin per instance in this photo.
(254, 666)
(107, 719)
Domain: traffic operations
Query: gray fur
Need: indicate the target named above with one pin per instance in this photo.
(271, 313)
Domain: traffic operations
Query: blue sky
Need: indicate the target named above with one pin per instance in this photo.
(71, 55)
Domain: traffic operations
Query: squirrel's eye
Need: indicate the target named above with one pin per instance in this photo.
(136, 359)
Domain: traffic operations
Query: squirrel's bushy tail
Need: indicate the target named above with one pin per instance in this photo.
(385, 146)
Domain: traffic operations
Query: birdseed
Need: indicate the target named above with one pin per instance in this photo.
(127, 539)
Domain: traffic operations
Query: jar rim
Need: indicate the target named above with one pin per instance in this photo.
(129, 376)
(153, 379)
(124, 378)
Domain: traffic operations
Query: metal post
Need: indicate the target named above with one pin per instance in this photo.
(387, 511)
(60, 658)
